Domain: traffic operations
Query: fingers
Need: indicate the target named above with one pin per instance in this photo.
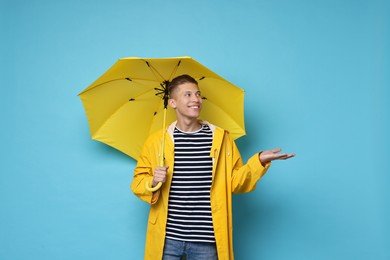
(276, 150)
(285, 156)
(280, 156)
(160, 174)
(161, 168)
(276, 155)
(290, 156)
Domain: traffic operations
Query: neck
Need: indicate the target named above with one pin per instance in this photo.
(189, 126)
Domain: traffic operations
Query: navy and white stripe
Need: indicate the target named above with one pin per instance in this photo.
(189, 209)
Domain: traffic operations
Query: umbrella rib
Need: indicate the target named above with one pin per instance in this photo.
(90, 88)
(174, 70)
(154, 71)
(127, 78)
(152, 68)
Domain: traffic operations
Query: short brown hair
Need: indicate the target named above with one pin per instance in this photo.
(179, 80)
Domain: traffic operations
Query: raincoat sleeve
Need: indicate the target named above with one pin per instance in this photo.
(245, 176)
(143, 172)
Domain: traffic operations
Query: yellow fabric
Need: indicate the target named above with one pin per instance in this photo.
(123, 109)
(230, 175)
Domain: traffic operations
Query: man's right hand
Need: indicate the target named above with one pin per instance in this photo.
(160, 175)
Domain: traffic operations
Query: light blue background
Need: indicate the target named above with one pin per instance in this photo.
(316, 76)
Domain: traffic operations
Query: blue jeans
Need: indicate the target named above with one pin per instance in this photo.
(175, 250)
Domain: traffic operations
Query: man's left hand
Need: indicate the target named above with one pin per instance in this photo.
(270, 155)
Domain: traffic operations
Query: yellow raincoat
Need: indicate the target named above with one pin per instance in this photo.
(230, 175)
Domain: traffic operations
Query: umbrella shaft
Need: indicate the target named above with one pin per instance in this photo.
(163, 139)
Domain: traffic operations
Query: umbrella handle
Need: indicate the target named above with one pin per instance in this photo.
(153, 189)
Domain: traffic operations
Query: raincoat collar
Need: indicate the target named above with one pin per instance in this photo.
(172, 126)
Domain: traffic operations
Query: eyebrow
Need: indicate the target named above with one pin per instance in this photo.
(189, 91)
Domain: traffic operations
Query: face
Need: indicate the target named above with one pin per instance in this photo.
(187, 101)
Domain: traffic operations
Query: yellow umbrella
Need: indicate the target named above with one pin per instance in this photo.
(126, 104)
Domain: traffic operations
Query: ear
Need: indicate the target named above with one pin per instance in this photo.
(172, 103)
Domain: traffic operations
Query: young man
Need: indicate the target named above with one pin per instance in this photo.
(192, 212)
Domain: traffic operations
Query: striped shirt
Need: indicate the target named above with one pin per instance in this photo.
(189, 208)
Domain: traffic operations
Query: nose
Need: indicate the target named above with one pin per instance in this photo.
(196, 98)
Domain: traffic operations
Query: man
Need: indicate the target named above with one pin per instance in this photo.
(191, 214)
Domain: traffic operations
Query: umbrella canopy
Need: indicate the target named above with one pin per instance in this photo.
(125, 105)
